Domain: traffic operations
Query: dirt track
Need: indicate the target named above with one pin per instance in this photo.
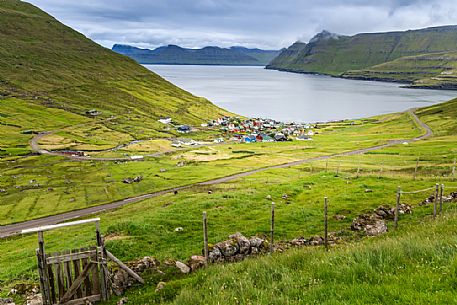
(14, 229)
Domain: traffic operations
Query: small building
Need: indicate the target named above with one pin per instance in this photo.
(280, 137)
(93, 112)
(165, 121)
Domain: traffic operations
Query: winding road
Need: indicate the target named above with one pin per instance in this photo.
(15, 229)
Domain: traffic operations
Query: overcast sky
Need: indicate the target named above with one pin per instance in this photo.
(269, 24)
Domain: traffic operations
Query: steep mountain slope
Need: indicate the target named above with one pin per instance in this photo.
(49, 65)
(435, 70)
(176, 55)
(332, 54)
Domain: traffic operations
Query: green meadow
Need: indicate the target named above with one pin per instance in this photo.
(148, 228)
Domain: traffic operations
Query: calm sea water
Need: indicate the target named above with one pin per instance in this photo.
(256, 92)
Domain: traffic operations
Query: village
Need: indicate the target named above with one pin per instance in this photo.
(251, 130)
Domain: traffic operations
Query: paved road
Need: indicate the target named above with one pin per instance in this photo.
(14, 229)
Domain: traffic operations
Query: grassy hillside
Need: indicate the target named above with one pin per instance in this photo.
(436, 70)
(148, 228)
(175, 55)
(332, 54)
(49, 66)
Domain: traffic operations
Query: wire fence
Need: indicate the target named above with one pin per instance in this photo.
(437, 199)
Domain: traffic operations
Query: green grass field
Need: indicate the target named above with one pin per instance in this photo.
(147, 228)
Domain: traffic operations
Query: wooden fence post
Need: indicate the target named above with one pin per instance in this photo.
(205, 237)
(338, 169)
(44, 278)
(397, 208)
(326, 166)
(416, 169)
(272, 229)
(441, 198)
(326, 223)
(453, 170)
(435, 202)
(104, 282)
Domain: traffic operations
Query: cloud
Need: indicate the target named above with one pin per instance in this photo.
(256, 23)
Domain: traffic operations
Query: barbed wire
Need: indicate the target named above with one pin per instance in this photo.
(418, 191)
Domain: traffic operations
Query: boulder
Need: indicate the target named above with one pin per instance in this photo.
(244, 244)
(34, 299)
(196, 262)
(228, 247)
(377, 228)
(316, 241)
(256, 242)
(6, 301)
(122, 301)
(182, 267)
(144, 264)
(299, 242)
(120, 282)
(215, 255)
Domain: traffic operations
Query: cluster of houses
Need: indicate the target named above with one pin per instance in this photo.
(261, 130)
(250, 130)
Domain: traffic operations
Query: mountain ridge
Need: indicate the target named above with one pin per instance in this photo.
(209, 55)
(353, 56)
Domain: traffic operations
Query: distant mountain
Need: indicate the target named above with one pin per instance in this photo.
(415, 56)
(175, 55)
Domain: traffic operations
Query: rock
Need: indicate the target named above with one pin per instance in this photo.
(379, 227)
(244, 244)
(160, 286)
(368, 191)
(179, 229)
(210, 192)
(122, 301)
(268, 197)
(196, 262)
(6, 301)
(256, 242)
(34, 299)
(299, 242)
(132, 180)
(183, 267)
(128, 180)
(215, 255)
(163, 170)
(2, 191)
(339, 217)
(138, 179)
(180, 164)
(228, 247)
(120, 282)
(144, 264)
(284, 196)
(316, 241)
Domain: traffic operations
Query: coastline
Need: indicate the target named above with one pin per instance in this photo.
(406, 84)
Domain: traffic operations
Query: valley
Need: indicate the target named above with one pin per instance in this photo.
(86, 132)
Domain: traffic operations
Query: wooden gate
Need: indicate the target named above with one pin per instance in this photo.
(73, 277)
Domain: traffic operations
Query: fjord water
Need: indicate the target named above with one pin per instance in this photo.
(256, 92)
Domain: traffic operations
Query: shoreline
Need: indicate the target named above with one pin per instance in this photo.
(406, 84)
